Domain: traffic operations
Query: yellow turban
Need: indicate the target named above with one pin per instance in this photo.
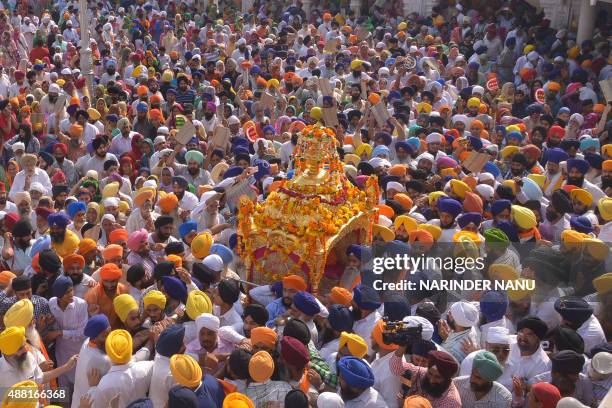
(407, 222)
(582, 195)
(155, 297)
(273, 83)
(523, 217)
(518, 294)
(316, 113)
(20, 314)
(434, 196)
(198, 302)
(509, 151)
(503, 272)
(142, 196)
(261, 366)
(424, 107)
(123, 305)
(11, 340)
(93, 114)
(538, 178)
(596, 248)
(572, 239)
(237, 400)
(110, 190)
(200, 246)
(573, 52)
(459, 188)
(355, 343)
(13, 401)
(433, 230)
(606, 150)
(185, 370)
(356, 63)
(386, 234)
(363, 148)
(119, 346)
(528, 48)
(473, 103)
(605, 208)
(603, 283)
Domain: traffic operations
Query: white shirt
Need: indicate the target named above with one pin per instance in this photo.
(71, 322)
(81, 289)
(121, 144)
(40, 176)
(12, 375)
(230, 318)
(364, 328)
(528, 366)
(503, 322)
(161, 381)
(128, 381)
(89, 133)
(89, 357)
(385, 382)
(592, 333)
(329, 348)
(370, 398)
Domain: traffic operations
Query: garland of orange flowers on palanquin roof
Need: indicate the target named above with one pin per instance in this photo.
(305, 215)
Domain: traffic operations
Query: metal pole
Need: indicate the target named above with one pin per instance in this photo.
(86, 54)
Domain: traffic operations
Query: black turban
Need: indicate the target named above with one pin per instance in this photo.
(229, 291)
(567, 362)
(297, 329)
(258, 313)
(535, 324)
(567, 339)
(49, 261)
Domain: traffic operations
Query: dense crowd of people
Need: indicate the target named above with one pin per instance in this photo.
(123, 281)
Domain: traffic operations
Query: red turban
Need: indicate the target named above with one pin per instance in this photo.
(62, 147)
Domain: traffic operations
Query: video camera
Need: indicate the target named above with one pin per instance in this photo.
(400, 333)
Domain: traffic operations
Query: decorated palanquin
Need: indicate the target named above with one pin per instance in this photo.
(306, 224)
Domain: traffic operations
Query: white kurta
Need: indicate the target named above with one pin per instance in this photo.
(12, 375)
(364, 328)
(128, 382)
(71, 322)
(161, 381)
(385, 382)
(592, 333)
(89, 357)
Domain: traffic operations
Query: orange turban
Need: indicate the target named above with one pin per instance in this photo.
(472, 203)
(341, 296)
(110, 272)
(421, 236)
(118, 234)
(264, 335)
(398, 170)
(378, 338)
(478, 124)
(404, 200)
(470, 181)
(176, 260)
(554, 86)
(607, 165)
(156, 114)
(75, 130)
(142, 90)
(72, 259)
(168, 202)
(385, 210)
(6, 277)
(86, 245)
(294, 282)
(112, 251)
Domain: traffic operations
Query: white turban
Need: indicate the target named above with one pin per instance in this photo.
(464, 313)
(460, 118)
(211, 322)
(485, 191)
(109, 217)
(570, 402)
(414, 321)
(384, 221)
(434, 138)
(377, 162)
(111, 202)
(329, 400)
(37, 186)
(498, 335)
(394, 185)
(213, 262)
(426, 156)
(18, 146)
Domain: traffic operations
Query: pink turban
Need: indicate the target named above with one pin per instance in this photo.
(136, 238)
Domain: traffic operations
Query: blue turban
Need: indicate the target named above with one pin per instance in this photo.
(579, 164)
(61, 285)
(46, 157)
(501, 128)
(366, 297)
(509, 229)
(233, 171)
(263, 169)
(306, 303)
(170, 340)
(380, 149)
(41, 243)
(493, 305)
(393, 95)
(386, 137)
(397, 309)
(475, 142)
(224, 252)
(182, 397)
(141, 403)
(450, 206)
(355, 372)
(58, 219)
(492, 168)
(361, 252)
(340, 318)
(142, 107)
(112, 118)
(269, 128)
(556, 155)
(76, 207)
(535, 108)
(395, 247)
(404, 145)
(531, 190)
(589, 142)
(514, 135)
(581, 224)
(415, 142)
(240, 141)
(233, 241)
(469, 218)
(175, 288)
(500, 205)
(181, 181)
(594, 160)
(96, 325)
(186, 227)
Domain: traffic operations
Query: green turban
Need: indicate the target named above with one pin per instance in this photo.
(487, 366)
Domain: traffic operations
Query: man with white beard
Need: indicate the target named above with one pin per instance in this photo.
(142, 215)
(207, 215)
